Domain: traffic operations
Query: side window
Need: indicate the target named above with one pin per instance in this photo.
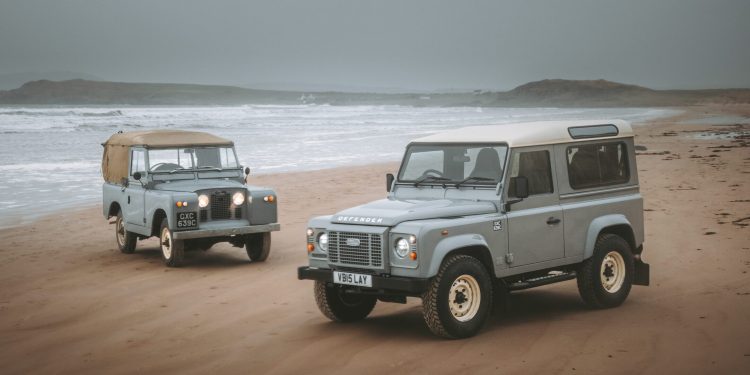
(597, 165)
(137, 161)
(536, 167)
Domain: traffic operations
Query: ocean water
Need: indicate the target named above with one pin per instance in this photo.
(50, 156)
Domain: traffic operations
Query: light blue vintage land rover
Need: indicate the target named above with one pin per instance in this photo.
(188, 189)
(481, 211)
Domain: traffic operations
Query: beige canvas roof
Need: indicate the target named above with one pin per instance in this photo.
(167, 138)
(116, 156)
(525, 133)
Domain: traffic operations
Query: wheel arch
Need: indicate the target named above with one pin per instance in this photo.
(609, 224)
(159, 215)
(466, 244)
(114, 208)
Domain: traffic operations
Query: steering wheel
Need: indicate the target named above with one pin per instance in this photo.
(164, 166)
(435, 171)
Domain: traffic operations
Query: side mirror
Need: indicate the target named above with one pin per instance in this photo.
(247, 171)
(520, 186)
(137, 176)
(389, 181)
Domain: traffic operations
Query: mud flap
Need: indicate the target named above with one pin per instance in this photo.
(642, 273)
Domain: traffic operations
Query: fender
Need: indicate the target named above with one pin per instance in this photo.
(449, 244)
(596, 227)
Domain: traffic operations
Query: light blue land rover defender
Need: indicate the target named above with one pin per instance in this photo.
(188, 189)
(488, 209)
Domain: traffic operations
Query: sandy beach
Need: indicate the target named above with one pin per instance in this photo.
(70, 302)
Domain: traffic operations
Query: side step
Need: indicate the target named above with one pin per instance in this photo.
(544, 280)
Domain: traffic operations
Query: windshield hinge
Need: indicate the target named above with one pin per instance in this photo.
(509, 258)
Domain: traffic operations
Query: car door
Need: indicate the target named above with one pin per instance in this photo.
(535, 227)
(134, 192)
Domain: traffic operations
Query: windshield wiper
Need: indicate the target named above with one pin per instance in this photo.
(178, 169)
(429, 178)
(473, 178)
(210, 167)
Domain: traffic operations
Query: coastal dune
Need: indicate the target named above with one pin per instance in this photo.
(70, 302)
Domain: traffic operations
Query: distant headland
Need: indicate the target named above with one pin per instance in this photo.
(544, 93)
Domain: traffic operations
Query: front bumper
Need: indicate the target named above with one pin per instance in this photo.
(203, 233)
(393, 283)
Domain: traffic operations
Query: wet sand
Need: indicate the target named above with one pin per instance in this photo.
(70, 302)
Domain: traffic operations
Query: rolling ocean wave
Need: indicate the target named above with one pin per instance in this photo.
(50, 156)
(60, 113)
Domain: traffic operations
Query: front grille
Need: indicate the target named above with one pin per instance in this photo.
(204, 215)
(220, 201)
(355, 249)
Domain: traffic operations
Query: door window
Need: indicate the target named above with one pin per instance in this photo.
(536, 167)
(137, 162)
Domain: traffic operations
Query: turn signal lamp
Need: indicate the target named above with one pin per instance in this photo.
(413, 255)
(310, 248)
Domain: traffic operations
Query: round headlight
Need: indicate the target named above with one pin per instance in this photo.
(402, 247)
(203, 200)
(238, 198)
(323, 241)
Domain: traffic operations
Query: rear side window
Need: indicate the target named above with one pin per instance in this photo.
(597, 165)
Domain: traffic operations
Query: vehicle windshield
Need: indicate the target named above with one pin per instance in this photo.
(442, 164)
(191, 159)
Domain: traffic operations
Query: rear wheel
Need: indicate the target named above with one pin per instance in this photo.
(604, 280)
(125, 240)
(459, 298)
(258, 246)
(339, 306)
(172, 251)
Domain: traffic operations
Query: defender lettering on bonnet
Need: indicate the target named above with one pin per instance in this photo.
(359, 219)
(478, 212)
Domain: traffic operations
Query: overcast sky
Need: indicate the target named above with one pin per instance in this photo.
(424, 45)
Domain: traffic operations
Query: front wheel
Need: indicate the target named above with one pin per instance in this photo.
(340, 306)
(604, 280)
(125, 240)
(258, 246)
(172, 251)
(459, 298)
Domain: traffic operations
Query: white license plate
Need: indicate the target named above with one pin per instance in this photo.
(352, 279)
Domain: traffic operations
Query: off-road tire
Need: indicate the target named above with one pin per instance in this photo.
(340, 307)
(590, 281)
(258, 246)
(176, 253)
(436, 305)
(126, 241)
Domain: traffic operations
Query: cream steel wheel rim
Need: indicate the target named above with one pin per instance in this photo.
(612, 272)
(166, 243)
(464, 298)
(120, 228)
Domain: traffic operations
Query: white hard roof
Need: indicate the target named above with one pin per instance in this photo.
(525, 133)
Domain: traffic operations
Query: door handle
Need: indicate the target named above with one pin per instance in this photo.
(553, 220)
